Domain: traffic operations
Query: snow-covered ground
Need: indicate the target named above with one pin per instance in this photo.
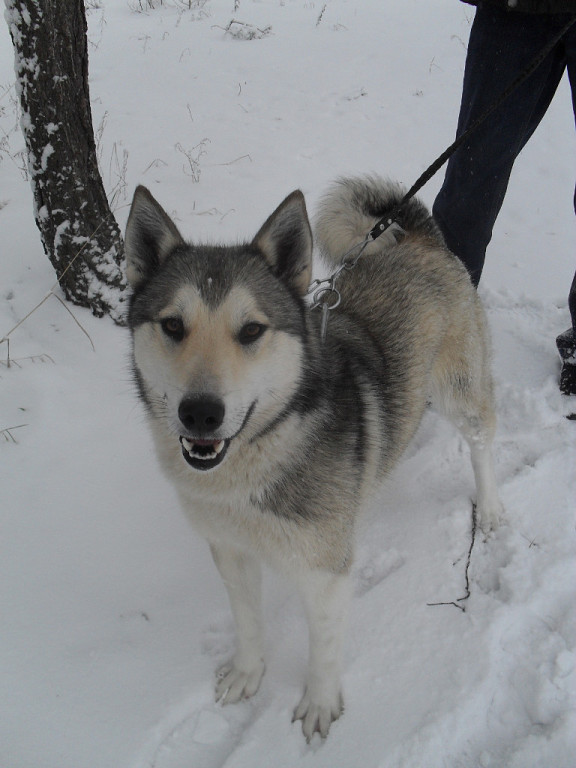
(112, 617)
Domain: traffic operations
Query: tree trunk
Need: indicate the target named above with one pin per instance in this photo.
(79, 233)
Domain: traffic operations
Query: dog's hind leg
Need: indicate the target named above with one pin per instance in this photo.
(488, 505)
(240, 678)
(326, 598)
(467, 402)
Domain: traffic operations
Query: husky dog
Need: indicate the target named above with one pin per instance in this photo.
(273, 436)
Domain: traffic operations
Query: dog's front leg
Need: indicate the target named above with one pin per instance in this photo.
(240, 678)
(326, 599)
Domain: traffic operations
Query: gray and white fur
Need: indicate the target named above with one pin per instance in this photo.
(274, 439)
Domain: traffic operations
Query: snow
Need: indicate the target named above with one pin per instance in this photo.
(113, 616)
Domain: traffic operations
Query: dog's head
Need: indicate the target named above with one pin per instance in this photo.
(218, 331)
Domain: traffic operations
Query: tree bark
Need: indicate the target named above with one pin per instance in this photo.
(79, 233)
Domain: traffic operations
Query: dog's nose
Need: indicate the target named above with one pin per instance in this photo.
(201, 415)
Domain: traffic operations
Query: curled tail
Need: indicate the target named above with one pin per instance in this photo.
(352, 206)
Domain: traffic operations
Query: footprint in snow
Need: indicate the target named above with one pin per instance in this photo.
(489, 561)
(376, 569)
(204, 737)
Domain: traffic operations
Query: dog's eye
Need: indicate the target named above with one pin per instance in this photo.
(173, 327)
(251, 332)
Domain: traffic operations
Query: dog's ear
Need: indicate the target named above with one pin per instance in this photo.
(285, 239)
(150, 236)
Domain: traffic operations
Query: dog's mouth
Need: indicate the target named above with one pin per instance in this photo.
(204, 454)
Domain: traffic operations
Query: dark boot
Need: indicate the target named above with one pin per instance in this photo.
(566, 344)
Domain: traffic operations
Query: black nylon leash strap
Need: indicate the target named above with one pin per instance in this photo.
(395, 214)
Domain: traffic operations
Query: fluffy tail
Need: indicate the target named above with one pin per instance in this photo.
(352, 206)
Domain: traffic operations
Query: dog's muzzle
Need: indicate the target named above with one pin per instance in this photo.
(202, 416)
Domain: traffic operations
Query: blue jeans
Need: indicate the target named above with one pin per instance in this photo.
(501, 46)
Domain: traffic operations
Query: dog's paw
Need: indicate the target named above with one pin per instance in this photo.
(235, 682)
(318, 716)
(489, 515)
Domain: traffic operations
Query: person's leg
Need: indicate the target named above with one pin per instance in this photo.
(566, 342)
(501, 45)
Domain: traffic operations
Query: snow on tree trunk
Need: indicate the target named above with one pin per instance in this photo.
(79, 233)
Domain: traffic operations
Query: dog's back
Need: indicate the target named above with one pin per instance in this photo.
(412, 298)
(407, 268)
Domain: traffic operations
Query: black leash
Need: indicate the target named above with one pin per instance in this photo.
(325, 294)
(395, 215)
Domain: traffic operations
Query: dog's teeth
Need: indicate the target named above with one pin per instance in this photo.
(205, 451)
